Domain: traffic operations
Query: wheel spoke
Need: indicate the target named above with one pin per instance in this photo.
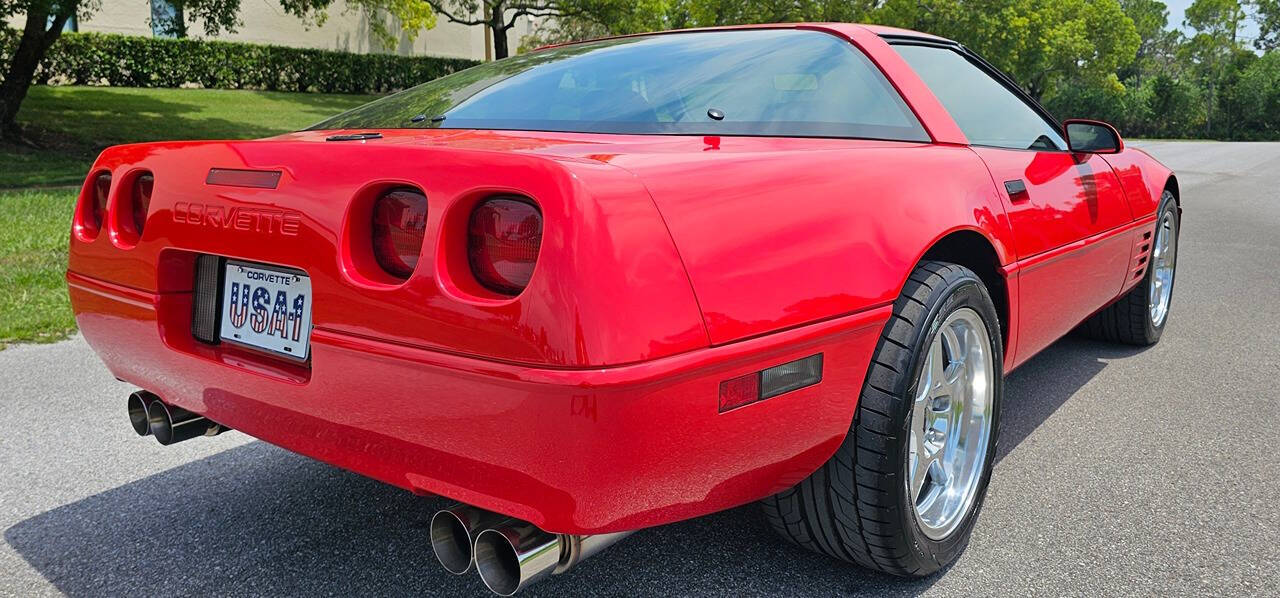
(937, 364)
(926, 388)
(955, 353)
(927, 465)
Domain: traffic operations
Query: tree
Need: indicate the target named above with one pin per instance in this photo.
(1175, 105)
(409, 16)
(1150, 17)
(1040, 43)
(45, 20)
(216, 16)
(644, 16)
(706, 13)
(1257, 93)
(1266, 13)
(500, 16)
(1217, 25)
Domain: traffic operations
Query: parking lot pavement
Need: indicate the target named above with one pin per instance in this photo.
(1121, 471)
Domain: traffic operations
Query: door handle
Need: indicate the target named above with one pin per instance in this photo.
(1017, 190)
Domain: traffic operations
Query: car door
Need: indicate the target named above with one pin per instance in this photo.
(1061, 205)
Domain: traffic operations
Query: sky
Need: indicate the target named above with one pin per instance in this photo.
(1177, 7)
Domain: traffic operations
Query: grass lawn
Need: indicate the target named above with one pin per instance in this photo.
(38, 186)
(75, 123)
(34, 229)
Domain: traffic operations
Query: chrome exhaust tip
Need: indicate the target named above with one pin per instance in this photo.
(170, 423)
(453, 534)
(515, 555)
(137, 405)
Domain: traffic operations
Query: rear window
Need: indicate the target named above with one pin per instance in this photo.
(763, 82)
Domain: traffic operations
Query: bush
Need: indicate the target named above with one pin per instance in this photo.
(1177, 107)
(1160, 106)
(1256, 99)
(132, 61)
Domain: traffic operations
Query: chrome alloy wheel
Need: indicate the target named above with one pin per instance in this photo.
(950, 424)
(1163, 259)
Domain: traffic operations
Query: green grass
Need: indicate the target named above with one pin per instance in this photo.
(35, 227)
(76, 123)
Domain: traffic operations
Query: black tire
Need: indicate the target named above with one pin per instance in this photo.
(856, 506)
(1128, 320)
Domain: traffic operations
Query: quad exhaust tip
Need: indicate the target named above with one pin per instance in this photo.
(516, 556)
(148, 414)
(453, 534)
(137, 405)
(509, 554)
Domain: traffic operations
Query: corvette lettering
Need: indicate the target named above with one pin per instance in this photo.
(258, 220)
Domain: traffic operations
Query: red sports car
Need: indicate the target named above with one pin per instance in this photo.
(615, 284)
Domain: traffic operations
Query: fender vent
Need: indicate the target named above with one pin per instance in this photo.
(204, 300)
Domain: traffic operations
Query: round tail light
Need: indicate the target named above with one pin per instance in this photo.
(141, 200)
(399, 225)
(503, 241)
(98, 203)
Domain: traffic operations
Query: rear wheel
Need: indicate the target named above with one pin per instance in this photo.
(903, 491)
(1138, 318)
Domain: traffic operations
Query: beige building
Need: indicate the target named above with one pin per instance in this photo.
(264, 22)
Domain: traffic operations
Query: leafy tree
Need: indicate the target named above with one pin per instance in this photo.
(1217, 26)
(410, 16)
(1038, 42)
(643, 16)
(500, 16)
(1267, 15)
(1256, 94)
(706, 13)
(1150, 17)
(216, 16)
(1175, 105)
(219, 16)
(45, 21)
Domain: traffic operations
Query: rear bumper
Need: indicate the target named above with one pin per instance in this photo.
(571, 450)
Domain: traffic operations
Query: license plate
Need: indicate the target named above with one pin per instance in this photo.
(267, 308)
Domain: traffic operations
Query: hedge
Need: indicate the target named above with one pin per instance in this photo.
(133, 61)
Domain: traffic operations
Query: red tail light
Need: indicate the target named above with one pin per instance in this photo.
(399, 224)
(98, 207)
(505, 234)
(141, 200)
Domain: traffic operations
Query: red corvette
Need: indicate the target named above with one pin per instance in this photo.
(616, 284)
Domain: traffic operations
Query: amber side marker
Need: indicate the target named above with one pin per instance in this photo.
(232, 177)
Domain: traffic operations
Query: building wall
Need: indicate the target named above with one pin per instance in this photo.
(264, 22)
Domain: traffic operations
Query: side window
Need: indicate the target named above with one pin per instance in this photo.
(987, 112)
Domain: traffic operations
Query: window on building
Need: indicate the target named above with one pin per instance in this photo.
(166, 20)
(71, 26)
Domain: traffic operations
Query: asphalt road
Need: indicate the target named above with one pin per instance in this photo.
(1122, 471)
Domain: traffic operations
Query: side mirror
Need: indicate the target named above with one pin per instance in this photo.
(1092, 137)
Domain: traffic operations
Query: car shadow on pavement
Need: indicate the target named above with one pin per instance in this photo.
(257, 520)
(1044, 383)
